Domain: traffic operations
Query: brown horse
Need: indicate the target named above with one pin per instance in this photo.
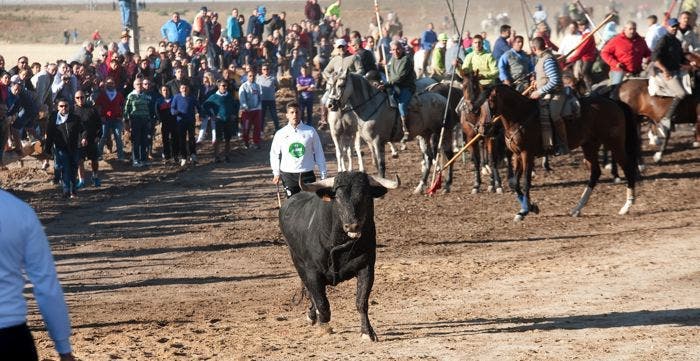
(602, 122)
(634, 93)
(493, 147)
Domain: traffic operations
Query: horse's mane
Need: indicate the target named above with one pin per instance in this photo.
(499, 88)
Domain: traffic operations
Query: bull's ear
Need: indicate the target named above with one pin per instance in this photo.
(377, 191)
(326, 194)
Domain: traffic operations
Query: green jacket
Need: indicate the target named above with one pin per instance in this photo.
(401, 73)
(138, 106)
(484, 63)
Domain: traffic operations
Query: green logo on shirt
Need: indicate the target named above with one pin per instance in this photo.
(297, 150)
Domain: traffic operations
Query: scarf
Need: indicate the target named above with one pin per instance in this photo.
(60, 119)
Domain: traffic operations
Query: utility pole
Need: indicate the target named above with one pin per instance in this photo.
(135, 34)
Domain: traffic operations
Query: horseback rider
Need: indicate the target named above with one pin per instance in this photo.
(341, 59)
(625, 53)
(515, 65)
(668, 60)
(549, 93)
(363, 61)
(481, 61)
(401, 76)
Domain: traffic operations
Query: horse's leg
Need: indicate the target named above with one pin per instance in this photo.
(495, 158)
(529, 167)
(590, 154)
(338, 151)
(476, 159)
(628, 167)
(518, 169)
(394, 152)
(449, 153)
(358, 152)
(664, 144)
(379, 156)
(425, 164)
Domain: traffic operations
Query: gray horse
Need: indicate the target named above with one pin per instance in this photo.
(379, 123)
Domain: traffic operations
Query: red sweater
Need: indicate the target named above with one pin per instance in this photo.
(110, 109)
(625, 51)
(586, 52)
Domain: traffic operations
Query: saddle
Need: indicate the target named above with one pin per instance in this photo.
(656, 86)
(572, 108)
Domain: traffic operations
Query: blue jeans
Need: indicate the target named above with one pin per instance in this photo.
(616, 77)
(139, 139)
(403, 99)
(116, 127)
(306, 107)
(271, 106)
(125, 10)
(67, 162)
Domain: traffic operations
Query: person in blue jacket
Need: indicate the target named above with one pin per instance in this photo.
(176, 30)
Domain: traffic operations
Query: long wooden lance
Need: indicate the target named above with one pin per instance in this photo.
(597, 28)
(381, 35)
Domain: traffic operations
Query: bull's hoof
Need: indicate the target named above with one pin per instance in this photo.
(657, 157)
(475, 190)
(499, 190)
(371, 337)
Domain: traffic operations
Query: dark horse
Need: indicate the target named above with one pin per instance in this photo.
(472, 120)
(634, 93)
(602, 122)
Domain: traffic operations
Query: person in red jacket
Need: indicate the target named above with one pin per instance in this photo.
(587, 53)
(110, 103)
(625, 53)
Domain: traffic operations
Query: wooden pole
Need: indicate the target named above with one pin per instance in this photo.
(597, 28)
(476, 138)
(381, 36)
(135, 26)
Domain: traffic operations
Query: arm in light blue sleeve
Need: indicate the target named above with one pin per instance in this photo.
(164, 31)
(41, 271)
(503, 71)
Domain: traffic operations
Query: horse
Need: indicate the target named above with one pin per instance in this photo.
(602, 121)
(379, 123)
(471, 120)
(634, 93)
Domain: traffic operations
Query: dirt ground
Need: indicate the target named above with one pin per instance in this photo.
(188, 264)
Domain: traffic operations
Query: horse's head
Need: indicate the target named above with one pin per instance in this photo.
(471, 90)
(337, 90)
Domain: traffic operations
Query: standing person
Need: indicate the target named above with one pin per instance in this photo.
(500, 46)
(125, 12)
(64, 132)
(306, 87)
(428, 38)
(587, 53)
(295, 149)
(655, 31)
(91, 123)
(268, 86)
(515, 65)
(549, 94)
(686, 33)
(168, 123)
(333, 10)
(481, 61)
(24, 250)
(250, 95)
(402, 76)
(123, 45)
(111, 103)
(138, 112)
(184, 107)
(176, 30)
(312, 11)
(437, 62)
(23, 109)
(625, 53)
(222, 106)
(233, 27)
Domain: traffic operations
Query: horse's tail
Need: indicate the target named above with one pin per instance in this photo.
(633, 144)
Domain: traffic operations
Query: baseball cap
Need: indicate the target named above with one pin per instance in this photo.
(339, 42)
(673, 22)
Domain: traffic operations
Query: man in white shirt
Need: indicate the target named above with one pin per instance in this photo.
(655, 31)
(24, 249)
(295, 149)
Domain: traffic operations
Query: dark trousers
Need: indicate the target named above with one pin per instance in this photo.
(139, 139)
(290, 181)
(67, 162)
(16, 343)
(168, 131)
(270, 106)
(306, 106)
(185, 140)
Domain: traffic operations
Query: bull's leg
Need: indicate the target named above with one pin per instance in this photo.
(425, 164)
(365, 280)
(591, 156)
(316, 287)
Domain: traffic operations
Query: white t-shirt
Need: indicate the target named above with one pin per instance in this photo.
(296, 150)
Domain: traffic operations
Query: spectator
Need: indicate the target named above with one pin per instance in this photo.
(138, 112)
(91, 123)
(312, 11)
(625, 53)
(587, 53)
(64, 134)
(24, 249)
(168, 124)
(42, 86)
(251, 104)
(184, 107)
(84, 56)
(176, 30)
(180, 79)
(295, 150)
(268, 86)
(306, 87)
(207, 88)
(428, 38)
(111, 103)
(500, 46)
(655, 31)
(123, 46)
(222, 107)
(198, 29)
(333, 10)
(233, 27)
(22, 109)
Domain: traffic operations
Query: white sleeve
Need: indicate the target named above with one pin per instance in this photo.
(318, 154)
(275, 155)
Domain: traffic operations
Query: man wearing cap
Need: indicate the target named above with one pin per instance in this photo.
(123, 45)
(176, 30)
(500, 46)
(437, 62)
(341, 59)
(668, 61)
(21, 107)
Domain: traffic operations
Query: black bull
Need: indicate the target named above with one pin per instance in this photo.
(330, 230)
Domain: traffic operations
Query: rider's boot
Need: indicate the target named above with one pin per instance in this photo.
(666, 120)
(562, 139)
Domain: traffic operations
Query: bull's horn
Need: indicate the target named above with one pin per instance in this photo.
(315, 186)
(386, 183)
